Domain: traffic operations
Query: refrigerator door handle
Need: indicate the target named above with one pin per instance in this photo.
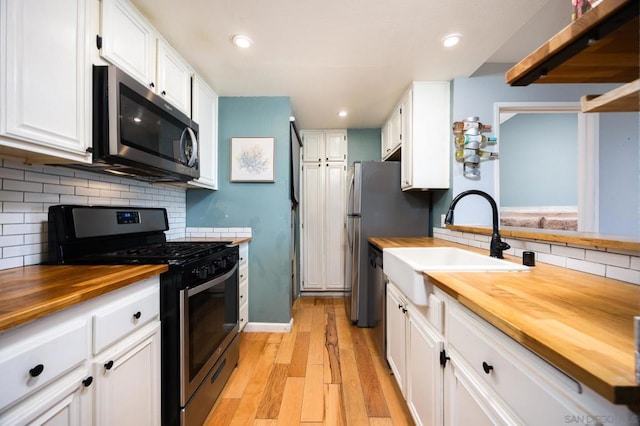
(350, 202)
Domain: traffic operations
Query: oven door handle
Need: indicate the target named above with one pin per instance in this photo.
(206, 286)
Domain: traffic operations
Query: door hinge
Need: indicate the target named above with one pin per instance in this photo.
(344, 137)
(99, 41)
(400, 110)
(443, 358)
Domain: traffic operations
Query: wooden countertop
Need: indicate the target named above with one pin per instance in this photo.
(31, 292)
(581, 323)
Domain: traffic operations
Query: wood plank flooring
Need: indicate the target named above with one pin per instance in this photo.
(325, 372)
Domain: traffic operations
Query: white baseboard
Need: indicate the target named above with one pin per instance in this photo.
(268, 327)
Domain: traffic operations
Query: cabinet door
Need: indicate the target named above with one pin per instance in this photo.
(45, 78)
(205, 113)
(312, 226)
(424, 373)
(396, 337)
(335, 146)
(128, 381)
(406, 156)
(386, 139)
(469, 402)
(334, 217)
(312, 146)
(66, 402)
(128, 40)
(174, 78)
(395, 129)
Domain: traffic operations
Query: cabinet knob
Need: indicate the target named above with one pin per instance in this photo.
(87, 382)
(152, 85)
(404, 310)
(137, 315)
(36, 371)
(486, 367)
(164, 93)
(108, 365)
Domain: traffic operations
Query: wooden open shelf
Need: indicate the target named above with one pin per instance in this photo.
(602, 46)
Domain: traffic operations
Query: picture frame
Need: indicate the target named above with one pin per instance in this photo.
(253, 159)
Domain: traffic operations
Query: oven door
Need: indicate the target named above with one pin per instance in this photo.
(208, 323)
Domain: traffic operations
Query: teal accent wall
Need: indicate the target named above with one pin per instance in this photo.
(364, 145)
(265, 207)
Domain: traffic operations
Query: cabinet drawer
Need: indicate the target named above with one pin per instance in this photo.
(243, 317)
(118, 319)
(244, 253)
(243, 295)
(31, 363)
(514, 373)
(243, 273)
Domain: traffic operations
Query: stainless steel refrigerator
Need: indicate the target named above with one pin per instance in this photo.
(376, 207)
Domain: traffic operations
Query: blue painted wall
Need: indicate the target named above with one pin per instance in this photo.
(364, 145)
(265, 207)
(475, 96)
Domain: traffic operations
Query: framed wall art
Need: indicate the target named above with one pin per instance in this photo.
(252, 159)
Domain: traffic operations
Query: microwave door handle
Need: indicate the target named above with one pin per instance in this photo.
(194, 152)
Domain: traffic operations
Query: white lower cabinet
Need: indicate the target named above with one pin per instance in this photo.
(243, 297)
(413, 352)
(472, 373)
(57, 370)
(127, 381)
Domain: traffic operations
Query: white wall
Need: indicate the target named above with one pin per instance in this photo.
(27, 191)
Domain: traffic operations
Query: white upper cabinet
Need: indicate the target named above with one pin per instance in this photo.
(131, 43)
(128, 40)
(324, 145)
(174, 77)
(45, 80)
(205, 113)
(392, 133)
(425, 153)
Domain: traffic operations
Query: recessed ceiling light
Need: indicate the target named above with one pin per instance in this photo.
(342, 114)
(451, 40)
(242, 41)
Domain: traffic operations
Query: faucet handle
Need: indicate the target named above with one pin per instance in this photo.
(504, 246)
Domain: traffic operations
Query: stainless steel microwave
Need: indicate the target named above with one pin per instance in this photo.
(138, 134)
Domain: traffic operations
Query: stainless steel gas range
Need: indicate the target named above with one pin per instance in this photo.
(198, 295)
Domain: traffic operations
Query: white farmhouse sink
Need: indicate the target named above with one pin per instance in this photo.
(405, 265)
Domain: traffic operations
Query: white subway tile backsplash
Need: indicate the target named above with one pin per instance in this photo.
(34, 197)
(573, 252)
(28, 191)
(11, 240)
(621, 265)
(11, 195)
(537, 247)
(11, 262)
(11, 218)
(551, 259)
(21, 185)
(623, 274)
(609, 258)
(584, 266)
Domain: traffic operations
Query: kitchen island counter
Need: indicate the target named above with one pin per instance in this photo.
(579, 322)
(32, 292)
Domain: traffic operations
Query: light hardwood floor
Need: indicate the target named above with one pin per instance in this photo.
(325, 372)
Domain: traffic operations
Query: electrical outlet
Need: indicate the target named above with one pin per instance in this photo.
(442, 217)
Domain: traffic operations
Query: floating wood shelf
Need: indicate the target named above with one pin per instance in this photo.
(602, 46)
(624, 98)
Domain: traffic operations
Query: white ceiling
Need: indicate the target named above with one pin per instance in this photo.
(356, 55)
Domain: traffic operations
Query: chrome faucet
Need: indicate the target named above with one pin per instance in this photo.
(497, 245)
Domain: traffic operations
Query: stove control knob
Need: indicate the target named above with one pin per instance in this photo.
(211, 269)
(202, 273)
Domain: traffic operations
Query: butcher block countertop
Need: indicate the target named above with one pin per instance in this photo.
(581, 323)
(32, 292)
